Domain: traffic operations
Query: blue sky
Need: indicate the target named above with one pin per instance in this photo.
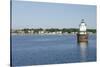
(27, 14)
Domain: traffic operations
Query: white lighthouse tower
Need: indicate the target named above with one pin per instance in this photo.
(82, 35)
(82, 27)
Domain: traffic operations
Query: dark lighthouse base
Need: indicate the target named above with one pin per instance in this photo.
(82, 38)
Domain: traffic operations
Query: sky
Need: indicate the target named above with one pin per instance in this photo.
(27, 14)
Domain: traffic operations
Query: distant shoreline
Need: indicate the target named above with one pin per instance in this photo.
(49, 34)
(50, 31)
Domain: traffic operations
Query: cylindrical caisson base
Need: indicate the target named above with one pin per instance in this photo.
(82, 37)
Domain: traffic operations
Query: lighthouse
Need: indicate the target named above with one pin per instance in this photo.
(82, 35)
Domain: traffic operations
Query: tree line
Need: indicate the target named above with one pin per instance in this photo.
(27, 30)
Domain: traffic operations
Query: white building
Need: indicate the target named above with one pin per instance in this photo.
(82, 27)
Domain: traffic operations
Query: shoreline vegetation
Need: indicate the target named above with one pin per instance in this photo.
(51, 31)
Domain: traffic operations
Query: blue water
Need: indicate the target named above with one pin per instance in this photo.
(51, 49)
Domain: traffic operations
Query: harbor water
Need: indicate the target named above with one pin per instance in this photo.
(51, 49)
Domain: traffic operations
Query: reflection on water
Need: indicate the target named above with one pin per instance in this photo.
(83, 51)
